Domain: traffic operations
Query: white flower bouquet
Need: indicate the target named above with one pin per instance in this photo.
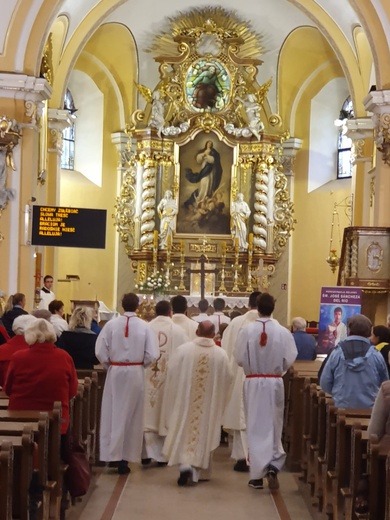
(157, 282)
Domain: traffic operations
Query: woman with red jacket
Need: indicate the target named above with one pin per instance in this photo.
(42, 374)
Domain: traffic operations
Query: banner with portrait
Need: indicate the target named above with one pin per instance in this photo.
(337, 305)
(205, 184)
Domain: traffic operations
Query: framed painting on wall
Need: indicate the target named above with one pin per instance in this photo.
(206, 165)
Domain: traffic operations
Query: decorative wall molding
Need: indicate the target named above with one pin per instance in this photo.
(58, 120)
(378, 102)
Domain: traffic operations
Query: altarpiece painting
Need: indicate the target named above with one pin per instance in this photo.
(205, 159)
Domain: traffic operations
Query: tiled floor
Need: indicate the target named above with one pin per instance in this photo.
(152, 492)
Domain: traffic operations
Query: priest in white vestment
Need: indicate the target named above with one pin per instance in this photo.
(198, 380)
(179, 307)
(234, 416)
(170, 337)
(125, 346)
(265, 350)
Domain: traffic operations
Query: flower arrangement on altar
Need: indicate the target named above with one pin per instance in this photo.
(158, 282)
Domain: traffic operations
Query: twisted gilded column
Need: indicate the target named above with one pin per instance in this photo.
(148, 204)
(260, 205)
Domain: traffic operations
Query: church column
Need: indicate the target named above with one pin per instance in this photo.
(282, 275)
(378, 103)
(21, 99)
(361, 132)
(57, 121)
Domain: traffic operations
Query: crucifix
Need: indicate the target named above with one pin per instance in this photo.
(202, 271)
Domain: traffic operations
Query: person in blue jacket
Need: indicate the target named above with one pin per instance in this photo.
(354, 370)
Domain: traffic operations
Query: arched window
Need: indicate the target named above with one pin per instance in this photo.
(68, 134)
(344, 143)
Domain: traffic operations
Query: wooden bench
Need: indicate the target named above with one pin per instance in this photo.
(6, 479)
(23, 448)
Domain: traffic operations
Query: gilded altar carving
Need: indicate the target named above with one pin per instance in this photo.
(206, 135)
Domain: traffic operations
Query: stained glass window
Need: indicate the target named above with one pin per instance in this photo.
(344, 144)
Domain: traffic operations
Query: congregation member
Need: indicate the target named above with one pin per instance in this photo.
(14, 308)
(234, 416)
(354, 370)
(265, 350)
(43, 314)
(46, 294)
(170, 337)
(125, 346)
(42, 374)
(218, 317)
(203, 306)
(380, 338)
(56, 307)
(79, 341)
(306, 344)
(198, 380)
(380, 416)
(179, 308)
(3, 334)
(14, 344)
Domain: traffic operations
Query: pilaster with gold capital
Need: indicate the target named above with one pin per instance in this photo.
(57, 121)
(121, 142)
(22, 100)
(291, 147)
(359, 130)
(378, 103)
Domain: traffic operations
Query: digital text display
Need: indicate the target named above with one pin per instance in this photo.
(69, 227)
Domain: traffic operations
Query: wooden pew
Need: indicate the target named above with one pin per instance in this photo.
(6, 479)
(99, 375)
(55, 467)
(23, 448)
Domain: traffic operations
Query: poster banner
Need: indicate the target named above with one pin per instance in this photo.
(337, 305)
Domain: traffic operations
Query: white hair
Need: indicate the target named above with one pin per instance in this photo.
(40, 331)
(21, 323)
(299, 323)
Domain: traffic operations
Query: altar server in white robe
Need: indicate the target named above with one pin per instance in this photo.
(125, 346)
(179, 307)
(198, 380)
(234, 416)
(265, 350)
(170, 337)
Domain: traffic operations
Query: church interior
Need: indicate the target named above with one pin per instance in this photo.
(228, 147)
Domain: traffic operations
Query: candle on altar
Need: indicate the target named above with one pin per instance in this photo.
(250, 239)
(224, 248)
(236, 244)
(182, 246)
(169, 240)
(155, 239)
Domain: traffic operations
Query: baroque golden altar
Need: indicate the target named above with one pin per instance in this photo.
(204, 166)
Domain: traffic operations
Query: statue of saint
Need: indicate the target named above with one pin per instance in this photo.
(252, 109)
(167, 210)
(239, 216)
(157, 116)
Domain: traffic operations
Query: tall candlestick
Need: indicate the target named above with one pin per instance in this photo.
(224, 248)
(169, 241)
(182, 246)
(236, 244)
(155, 239)
(250, 239)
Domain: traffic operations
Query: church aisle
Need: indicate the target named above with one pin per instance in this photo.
(152, 491)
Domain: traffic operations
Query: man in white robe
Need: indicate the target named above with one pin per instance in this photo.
(125, 346)
(198, 380)
(170, 337)
(265, 350)
(179, 307)
(218, 317)
(234, 416)
(203, 306)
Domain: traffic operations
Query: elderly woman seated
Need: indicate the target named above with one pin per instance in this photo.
(14, 344)
(40, 375)
(79, 341)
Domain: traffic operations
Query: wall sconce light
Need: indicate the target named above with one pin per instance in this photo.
(333, 259)
(41, 179)
(72, 277)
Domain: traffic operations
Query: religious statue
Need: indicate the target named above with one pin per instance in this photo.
(239, 216)
(167, 211)
(157, 116)
(252, 109)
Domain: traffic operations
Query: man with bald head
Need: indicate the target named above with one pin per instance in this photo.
(197, 384)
